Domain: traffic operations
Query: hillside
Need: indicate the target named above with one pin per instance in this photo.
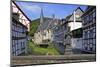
(33, 26)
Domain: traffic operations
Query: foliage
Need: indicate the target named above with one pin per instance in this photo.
(33, 26)
(37, 50)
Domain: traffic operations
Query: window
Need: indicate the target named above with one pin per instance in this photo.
(91, 33)
(18, 28)
(18, 34)
(13, 33)
(85, 41)
(91, 17)
(13, 42)
(85, 34)
(91, 41)
(88, 41)
(88, 34)
(94, 30)
(86, 47)
(94, 48)
(44, 34)
(87, 18)
(94, 41)
(91, 47)
(14, 53)
(16, 46)
(94, 35)
(21, 45)
(94, 14)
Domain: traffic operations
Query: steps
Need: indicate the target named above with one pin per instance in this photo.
(68, 50)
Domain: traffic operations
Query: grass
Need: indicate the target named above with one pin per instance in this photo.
(37, 50)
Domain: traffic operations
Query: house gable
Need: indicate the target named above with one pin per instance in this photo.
(78, 13)
(22, 17)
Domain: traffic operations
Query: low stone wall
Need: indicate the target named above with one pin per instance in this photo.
(34, 60)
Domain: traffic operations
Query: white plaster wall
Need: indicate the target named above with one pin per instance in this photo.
(37, 38)
(48, 34)
(74, 25)
(45, 36)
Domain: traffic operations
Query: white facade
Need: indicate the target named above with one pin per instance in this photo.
(41, 36)
(75, 22)
(37, 38)
(74, 25)
(47, 34)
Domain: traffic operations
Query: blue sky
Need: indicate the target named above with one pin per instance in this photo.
(33, 9)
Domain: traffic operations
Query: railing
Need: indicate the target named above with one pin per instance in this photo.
(51, 59)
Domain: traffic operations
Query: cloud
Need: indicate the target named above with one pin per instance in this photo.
(33, 8)
(30, 7)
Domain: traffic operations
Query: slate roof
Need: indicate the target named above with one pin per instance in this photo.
(67, 18)
(45, 24)
(48, 23)
(88, 9)
(52, 24)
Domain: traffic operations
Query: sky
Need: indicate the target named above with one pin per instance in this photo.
(33, 9)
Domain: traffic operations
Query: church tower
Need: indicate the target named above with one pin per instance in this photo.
(53, 16)
(41, 16)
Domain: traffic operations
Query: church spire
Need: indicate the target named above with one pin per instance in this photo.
(53, 16)
(41, 16)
